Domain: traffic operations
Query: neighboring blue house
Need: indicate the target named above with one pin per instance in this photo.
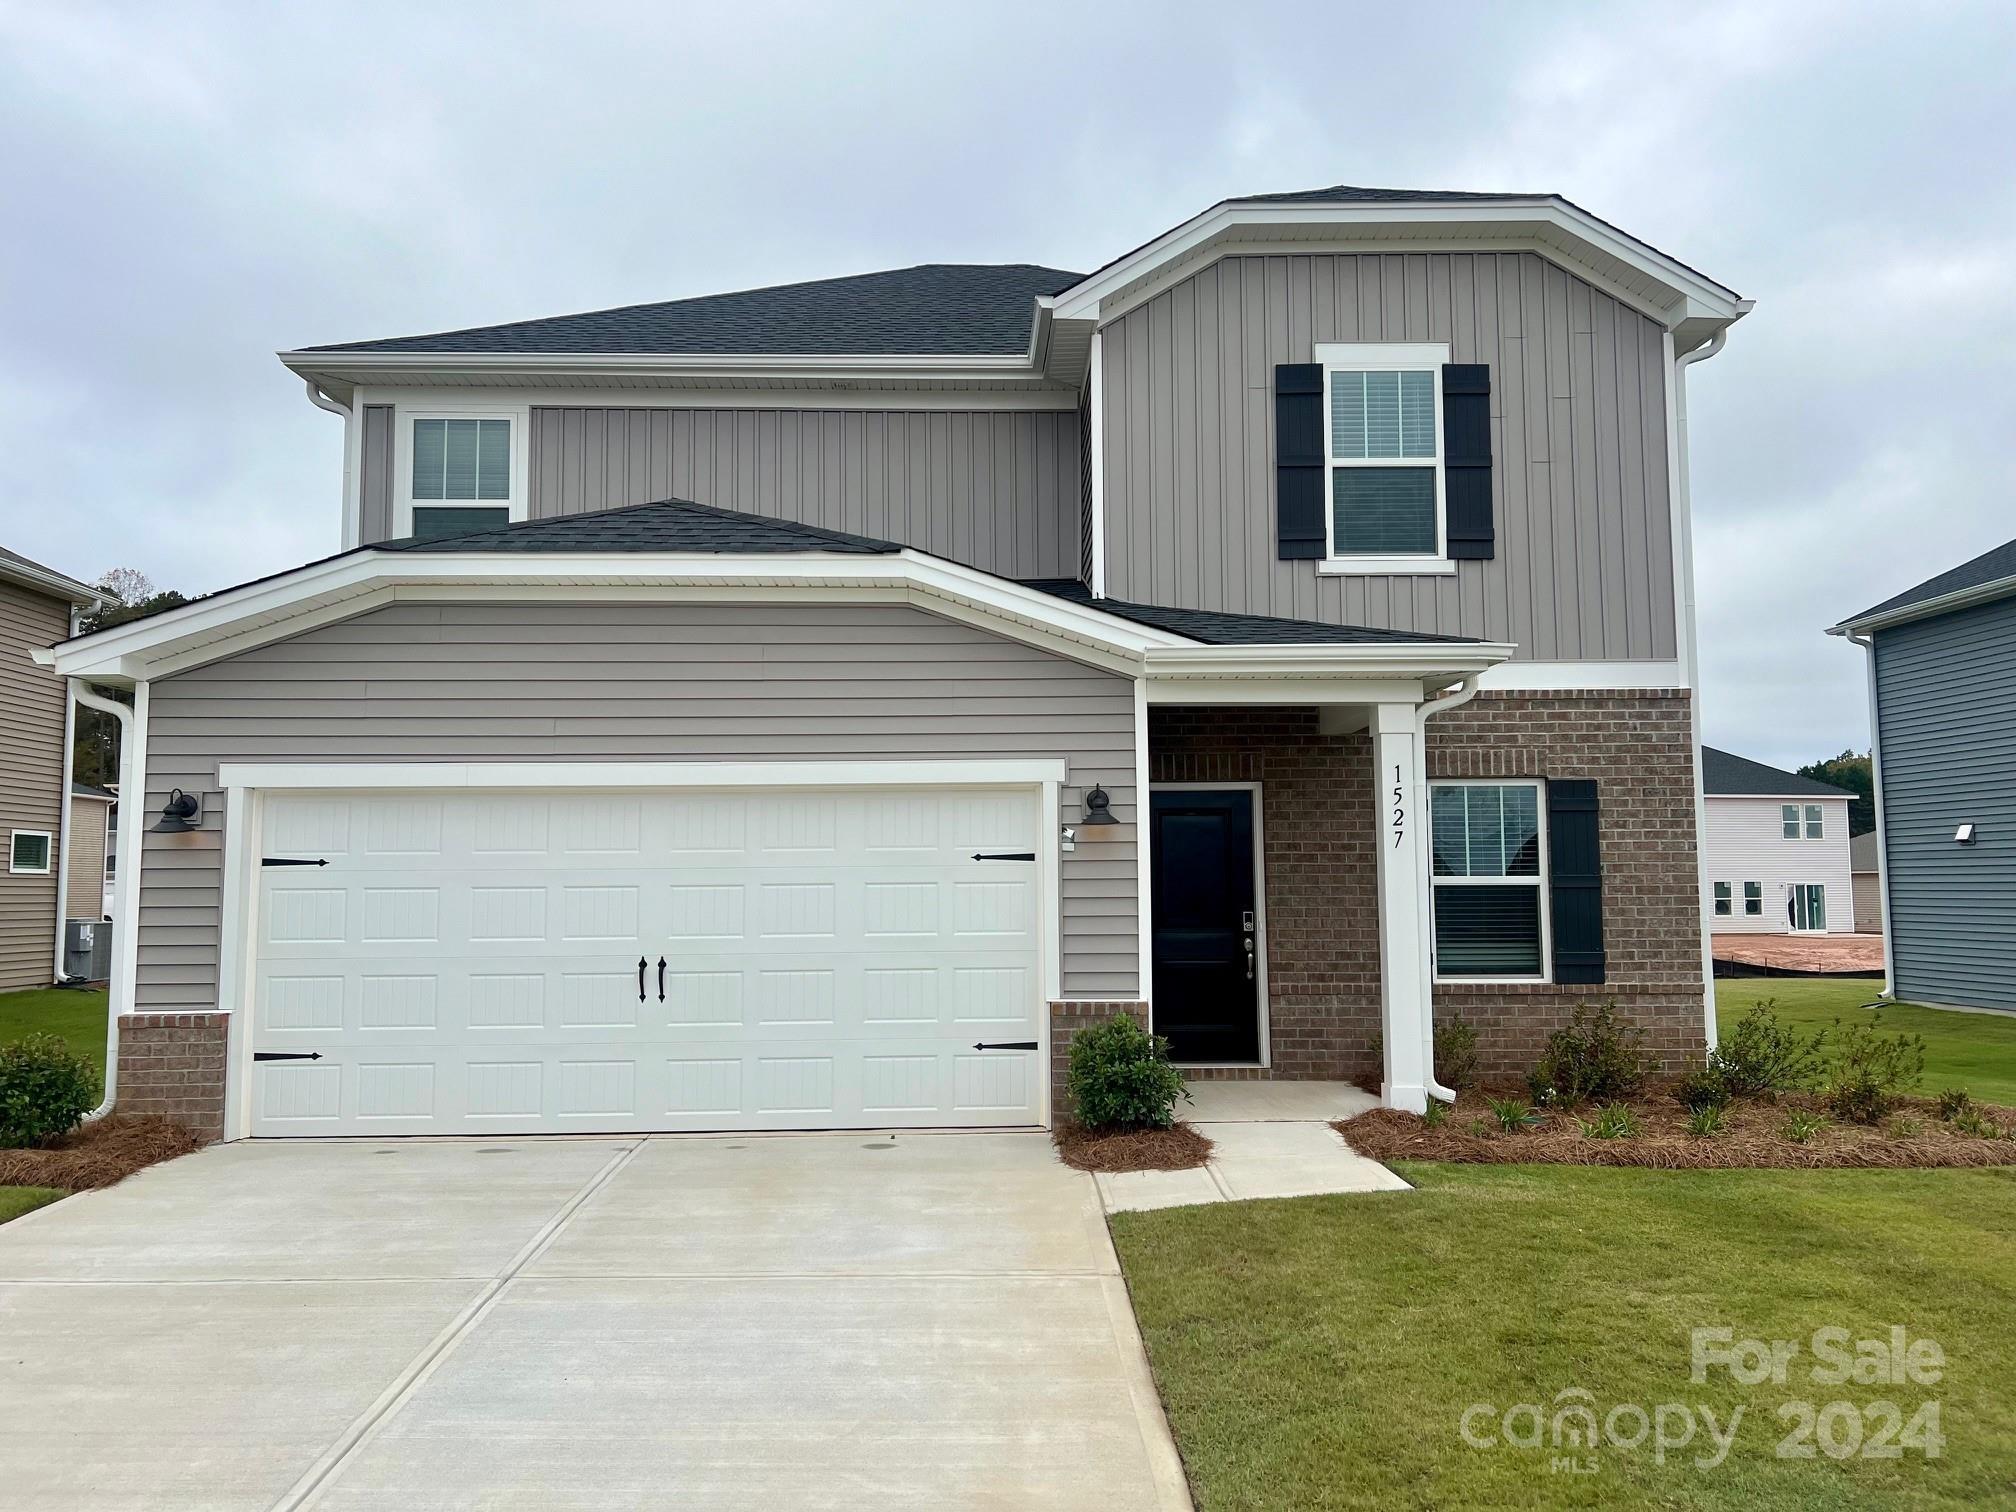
(1942, 691)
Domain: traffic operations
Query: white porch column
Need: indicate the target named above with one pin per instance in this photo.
(1401, 817)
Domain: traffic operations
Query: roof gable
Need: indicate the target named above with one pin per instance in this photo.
(1997, 565)
(668, 525)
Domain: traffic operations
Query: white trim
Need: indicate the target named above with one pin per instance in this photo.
(1945, 603)
(1095, 441)
(1868, 645)
(1383, 357)
(1540, 880)
(821, 400)
(517, 507)
(1144, 892)
(132, 858)
(65, 804)
(1260, 1000)
(237, 949)
(1569, 676)
(48, 866)
(52, 584)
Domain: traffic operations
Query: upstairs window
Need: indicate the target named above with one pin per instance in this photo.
(1490, 896)
(461, 474)
(1788, 819)
(1815, 823)
(1383, 424)
(1815, 826)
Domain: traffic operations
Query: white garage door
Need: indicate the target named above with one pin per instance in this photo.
(526, 962)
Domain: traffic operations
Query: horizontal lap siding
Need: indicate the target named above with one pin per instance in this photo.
(634, 682)
(31, 779)
(1946, 690)
(997, 490)
(1584, 563)
(1746, 843)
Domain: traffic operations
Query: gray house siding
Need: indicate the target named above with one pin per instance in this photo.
(1946, 715)
(1584, 563)
(31, 780)
(634, 682)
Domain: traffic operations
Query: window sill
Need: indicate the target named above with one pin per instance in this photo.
(1385, 566)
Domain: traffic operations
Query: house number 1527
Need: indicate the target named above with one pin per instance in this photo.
(1399, 809)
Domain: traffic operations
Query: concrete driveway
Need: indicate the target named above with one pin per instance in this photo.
(829, 1321)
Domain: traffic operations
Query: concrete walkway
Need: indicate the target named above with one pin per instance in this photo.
(830, 1321)
(1270, 1138)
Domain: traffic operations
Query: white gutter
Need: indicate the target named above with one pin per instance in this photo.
(125, 897)
(63, 811)
(1463, 694)
(1945, 603)
(1868, 645)
(352, 506)
(1679, 483)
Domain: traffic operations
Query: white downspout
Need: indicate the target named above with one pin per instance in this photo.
(353, 524)
(125, 899)
(64, 810)
(1868, 645)
(1466, 691)
(1690, 643)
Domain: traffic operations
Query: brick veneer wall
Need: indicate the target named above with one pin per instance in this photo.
(172, 1064)
(1066, 1019)
(1322, 877)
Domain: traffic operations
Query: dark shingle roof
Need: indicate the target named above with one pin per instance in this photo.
(1740, 777)
(1989, 567)
(667, 525)
(945, 309)
(1352, 194)
(86, 790)
(1215, 629)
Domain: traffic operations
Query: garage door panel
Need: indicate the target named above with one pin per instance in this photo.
(470, 962)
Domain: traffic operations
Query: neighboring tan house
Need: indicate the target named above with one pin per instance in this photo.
(1942, 698)
(808, 707)
(1868, 883)
(38, 608)
(1777, 850)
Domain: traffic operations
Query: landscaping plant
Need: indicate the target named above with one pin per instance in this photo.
(1761, 1056)
(1120, 1077)
(1456, 1054)
(1705, 1122)
(1616, 1121)
(1436, 1114)
(1953, 1102)
(1512, 1114)
(1872, 1071)
(1974, 1121)
(1904, 1128)
(46, 1088)
(1801, 1126)
(1595, 1057)
(1702, 1089)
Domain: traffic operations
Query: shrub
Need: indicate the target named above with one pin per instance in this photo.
(1120, 1077)
(1762, 1057)
(1973, 1121)
(45, 1090)
(1594, 1058)
(1953, 1102)
(1705, 1122)
(1702, 1089)
(1613, 1122)
(1456, 1054)
(1872, 1070)
(1512, 1114)
(1437, 1113)
(1801, 1126)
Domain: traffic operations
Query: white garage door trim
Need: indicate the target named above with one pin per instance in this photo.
(246, 784)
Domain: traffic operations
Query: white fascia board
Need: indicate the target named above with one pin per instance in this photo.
(1946, 603)
(53, 584)
(418, 392)
(1408, 660)
(312, 776)
(1692, 291)
(534, 365)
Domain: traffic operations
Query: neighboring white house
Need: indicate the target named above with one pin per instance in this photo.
(1777, 850)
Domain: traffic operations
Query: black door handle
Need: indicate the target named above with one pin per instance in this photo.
(661, 979)
(641, 964)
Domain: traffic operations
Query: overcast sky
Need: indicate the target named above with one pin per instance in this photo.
(189, 189)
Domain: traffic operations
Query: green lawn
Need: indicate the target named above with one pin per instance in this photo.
(75, 1014)
(1321, 1352)
(14, 1201)
(1972, 1050)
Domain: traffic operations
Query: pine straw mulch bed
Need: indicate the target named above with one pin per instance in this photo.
(98, 1154)
(1752, 1137)
(1174, 1149)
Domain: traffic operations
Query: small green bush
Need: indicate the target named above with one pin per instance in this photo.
(1456, 1054)
(45, 1090)
(1973, 1121)
(1512, 1114)
(1801, 1126)
(1436, 1115)
(1705, 1122)
(1616, 1121)
(1120, 1077)
(1594, 1058)
(1761, 1057)
(1871, 1071)
(1700, 1089)
(1953, 1102)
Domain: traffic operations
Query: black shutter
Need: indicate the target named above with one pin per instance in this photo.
(1574, 880)
(1466, 460)
(1298, 461)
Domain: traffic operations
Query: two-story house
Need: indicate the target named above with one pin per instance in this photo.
(1776, 849)
(807, 707)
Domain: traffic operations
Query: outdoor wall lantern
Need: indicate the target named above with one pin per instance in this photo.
(1098, 811)
(176, 813)
(1964, 834)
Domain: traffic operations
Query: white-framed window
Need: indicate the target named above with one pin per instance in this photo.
(1788, 820)
(1816, 825)
(459, 470)
(1753, 899)
(1489, 847)
(1724, 904)
(31, 852)
(1806, 908)
(1384, 499)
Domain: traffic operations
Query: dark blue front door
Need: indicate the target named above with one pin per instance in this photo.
(1207, 992)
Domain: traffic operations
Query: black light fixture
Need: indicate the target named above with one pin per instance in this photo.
(1098, 811)
(176, 813)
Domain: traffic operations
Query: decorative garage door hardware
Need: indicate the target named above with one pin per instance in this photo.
(642, 963)
(1006, 856)
(268, 1055)
(288, 861)
(1008, 1045)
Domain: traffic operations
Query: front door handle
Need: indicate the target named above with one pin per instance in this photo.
(641, 964)
(661, 979)
(1249, 959)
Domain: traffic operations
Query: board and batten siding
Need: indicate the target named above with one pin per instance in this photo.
(1746, 843)
(634, 682)
(1946, 727)
(31, 780)
(1584, 562)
